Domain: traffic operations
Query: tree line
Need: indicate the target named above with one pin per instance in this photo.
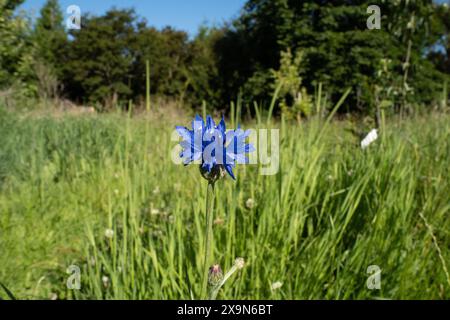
(290, 45)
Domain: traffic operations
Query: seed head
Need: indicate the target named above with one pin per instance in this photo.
(109, 233)
(239, 263)
(250, 203)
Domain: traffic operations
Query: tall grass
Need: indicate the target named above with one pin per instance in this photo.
(332, 211)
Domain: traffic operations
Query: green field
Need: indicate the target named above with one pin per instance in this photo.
(316, 226)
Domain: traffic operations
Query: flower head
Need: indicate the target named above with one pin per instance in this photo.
(276, 285)
(216, 149)
(109, 233)
(250, 203)
(239, 263)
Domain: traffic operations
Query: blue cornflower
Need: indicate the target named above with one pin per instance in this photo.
(213, 147)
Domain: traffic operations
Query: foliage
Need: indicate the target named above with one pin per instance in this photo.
(50, 40)
(295, 101)
(339, 50)
(99, 59)
(104, 62)
(16, 49)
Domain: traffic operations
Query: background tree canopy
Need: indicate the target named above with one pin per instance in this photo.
(406, 61)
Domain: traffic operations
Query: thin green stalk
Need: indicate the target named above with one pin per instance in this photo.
(147, 85)
(274, 100)
(208, 237)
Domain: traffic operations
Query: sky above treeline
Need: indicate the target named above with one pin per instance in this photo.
(185, 15)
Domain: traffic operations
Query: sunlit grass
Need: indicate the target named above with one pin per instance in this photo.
(332, 211)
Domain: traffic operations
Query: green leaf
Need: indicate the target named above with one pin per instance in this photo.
(8, 293)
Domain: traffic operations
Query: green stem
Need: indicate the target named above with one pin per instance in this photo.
(147, 85)
(208, 237)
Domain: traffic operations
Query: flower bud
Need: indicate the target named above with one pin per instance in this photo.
(215, 174)
(215, 275)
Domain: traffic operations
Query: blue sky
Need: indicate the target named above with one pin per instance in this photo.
(187, 15)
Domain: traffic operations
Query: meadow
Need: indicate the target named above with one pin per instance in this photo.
(315, 227)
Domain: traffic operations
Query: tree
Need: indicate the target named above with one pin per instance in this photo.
(50, 40)
(440, 55)
(339, 50)
(15, 48)
(167, 52)
(98, 64)
(50, 36)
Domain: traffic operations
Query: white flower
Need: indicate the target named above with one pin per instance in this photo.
(239, 263)
(156, 190)
(105, 281)
(154, 211)
(109, 233)
(276, 285)
(369, 139)
(250, 203)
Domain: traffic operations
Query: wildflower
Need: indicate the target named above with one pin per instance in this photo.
(109, 233)
(154, 212)
(215, 275)
(276, 285)
(156, 190)
(250, 203)
(217, 150)
(105, 281)
(369, 139)
(239, 263)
